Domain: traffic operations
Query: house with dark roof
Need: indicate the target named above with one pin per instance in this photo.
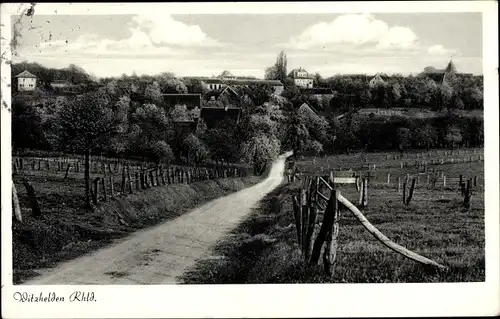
(302, 78)
(26, 81)
(212, 115)
(227, 95)
(191, 100)
(275, 84)
(307, 107)
(377, 80)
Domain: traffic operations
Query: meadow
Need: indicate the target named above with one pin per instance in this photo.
(435, 224)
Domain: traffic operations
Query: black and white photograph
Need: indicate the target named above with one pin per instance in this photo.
(185, 147)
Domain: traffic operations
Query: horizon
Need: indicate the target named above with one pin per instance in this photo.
(204, 45)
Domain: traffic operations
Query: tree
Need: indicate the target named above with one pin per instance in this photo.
(260, 150)
(84, 124)
(453, 136)
(403, 136)
(152, 93)
(277, 71)
(194, 149)
(162, 152)
(27, 129)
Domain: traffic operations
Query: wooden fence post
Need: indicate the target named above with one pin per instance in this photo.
(96, 191)
(468, 193)
(444, 180)
(365, 192)
(104, 193)
(475, 181)
(143, 182)
(35, 208)
(111, 187)
(129, 177)
(399, 184)
(331, 244)
(124, 179)
(298, 218)
(137, 184)
(388, 178)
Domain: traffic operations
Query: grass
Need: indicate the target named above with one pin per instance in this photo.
(66, 230)
(263, 249)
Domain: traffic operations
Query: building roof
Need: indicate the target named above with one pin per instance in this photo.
(450, 68)
(295, 75)
(256, 81)
(191, 100)
(25, 74)
(315, 91)
(213, 81)
(307, 106)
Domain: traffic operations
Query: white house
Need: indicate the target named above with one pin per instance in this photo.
(301, 78)
(26, 81)
(213, 84)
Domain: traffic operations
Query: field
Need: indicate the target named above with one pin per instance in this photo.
(66, 230)
(435, 224)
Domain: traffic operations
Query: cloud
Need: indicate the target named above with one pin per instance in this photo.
(354, 30)
(439, 49)
(149, 36)
(164, 30)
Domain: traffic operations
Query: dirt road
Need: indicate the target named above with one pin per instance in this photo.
(160, 254)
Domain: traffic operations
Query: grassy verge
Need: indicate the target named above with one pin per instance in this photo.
(263, 249)
(66, 231)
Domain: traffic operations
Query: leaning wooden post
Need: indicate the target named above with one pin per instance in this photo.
(67, 171)
(331, 243)
(35, 208)
(15, 204)
(14, 165)
(410, 195)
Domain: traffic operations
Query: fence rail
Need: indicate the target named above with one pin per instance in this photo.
(317, 217)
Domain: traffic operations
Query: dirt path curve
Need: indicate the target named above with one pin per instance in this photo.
(159, 254)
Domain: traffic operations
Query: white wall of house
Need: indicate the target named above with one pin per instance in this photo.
(305, 83)
(26, 84)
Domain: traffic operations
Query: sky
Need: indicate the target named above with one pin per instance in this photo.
(245, 44)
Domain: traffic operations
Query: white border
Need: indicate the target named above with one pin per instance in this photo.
(327, 300)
